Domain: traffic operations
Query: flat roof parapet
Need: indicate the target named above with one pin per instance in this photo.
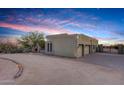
(66, 35)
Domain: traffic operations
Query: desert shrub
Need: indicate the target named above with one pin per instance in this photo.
(32, 42)
(9, 48)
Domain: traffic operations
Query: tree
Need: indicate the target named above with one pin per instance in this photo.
(33, 41)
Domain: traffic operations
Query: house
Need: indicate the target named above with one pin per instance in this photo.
(73, 45)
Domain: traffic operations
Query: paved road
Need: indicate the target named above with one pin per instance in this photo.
(42, 69)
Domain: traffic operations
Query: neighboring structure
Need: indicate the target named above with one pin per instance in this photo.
(120, 49)
(74, 45)
(100, 48)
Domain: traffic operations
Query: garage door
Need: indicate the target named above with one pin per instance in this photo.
(86, 50)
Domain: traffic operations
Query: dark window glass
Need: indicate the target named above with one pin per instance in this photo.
(48, 47)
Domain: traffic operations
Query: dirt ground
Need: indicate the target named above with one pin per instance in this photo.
(93, 69)
(7, 71)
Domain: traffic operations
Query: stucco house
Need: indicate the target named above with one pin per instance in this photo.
(73, 45)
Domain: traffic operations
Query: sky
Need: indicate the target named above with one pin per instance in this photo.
(106, 25)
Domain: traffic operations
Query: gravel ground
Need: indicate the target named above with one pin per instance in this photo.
(93, 69)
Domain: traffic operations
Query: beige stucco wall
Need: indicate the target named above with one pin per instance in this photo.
(78, 53)
(82, 51)
(63, 46)
(86, 50)
(82, 39)
(86, 42)
(69, 45)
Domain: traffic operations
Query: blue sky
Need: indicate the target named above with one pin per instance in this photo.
(107, 25)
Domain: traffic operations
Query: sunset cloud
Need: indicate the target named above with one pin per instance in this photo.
(102, 24)
(34, 28)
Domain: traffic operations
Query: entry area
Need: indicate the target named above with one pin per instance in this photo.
(85, 50)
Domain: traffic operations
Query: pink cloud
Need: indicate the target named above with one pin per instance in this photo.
(15, 26)
(25, 28)
(10, 18)
(54, 22)
(49, 25)
(33, 20)
(83, 25)
(49, 22)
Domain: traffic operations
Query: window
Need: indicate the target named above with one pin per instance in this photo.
(49, 47)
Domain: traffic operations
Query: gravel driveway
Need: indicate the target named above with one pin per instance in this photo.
(93, 69)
